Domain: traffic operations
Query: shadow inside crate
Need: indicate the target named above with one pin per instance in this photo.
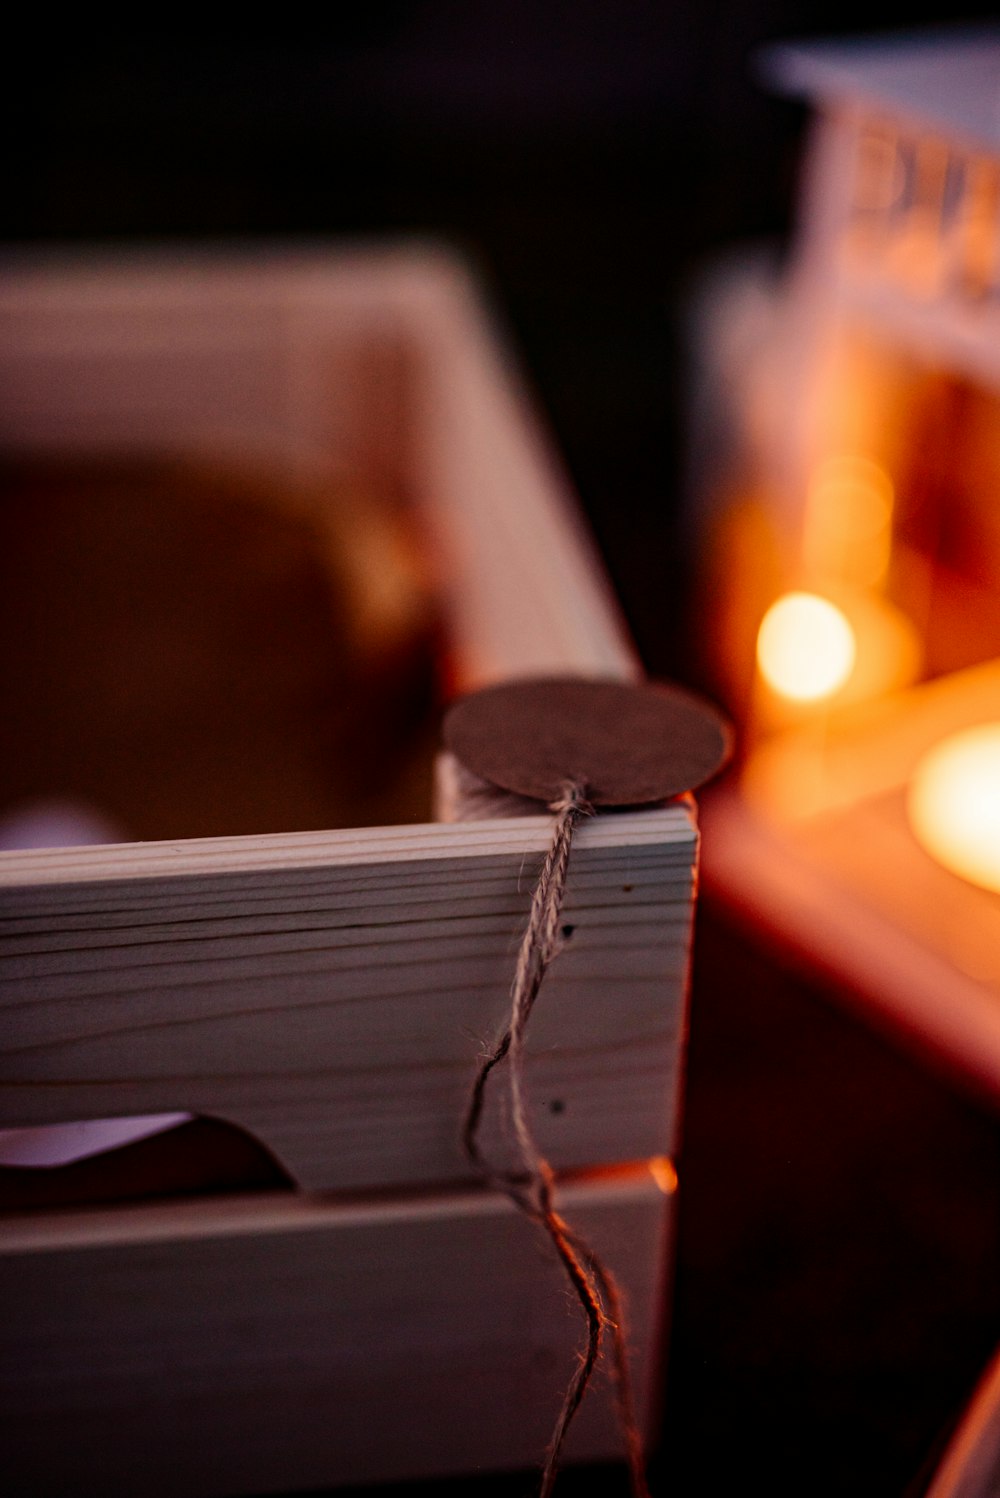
(200, 1157)
(212, 647)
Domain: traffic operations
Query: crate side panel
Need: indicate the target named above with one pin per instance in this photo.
(337, 1011)
(312, 1344)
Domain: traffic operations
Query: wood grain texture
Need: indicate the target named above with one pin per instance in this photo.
(331, 993)
(328, 992)
(279, 1343)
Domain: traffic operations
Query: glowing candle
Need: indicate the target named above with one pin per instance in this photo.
(806, 647)
(954, 804)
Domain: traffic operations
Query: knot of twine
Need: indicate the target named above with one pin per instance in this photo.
(532, 1187)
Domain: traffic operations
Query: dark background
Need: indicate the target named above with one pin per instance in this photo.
(838, 1275)
(586, 154)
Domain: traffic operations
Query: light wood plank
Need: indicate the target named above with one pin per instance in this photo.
(332, 993)
(258, 1345)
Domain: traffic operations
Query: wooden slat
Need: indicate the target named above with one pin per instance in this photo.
(331, 993)
(525, 588)
(276, 1343)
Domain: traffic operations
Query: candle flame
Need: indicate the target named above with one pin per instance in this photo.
(806, 647)
(953, 804)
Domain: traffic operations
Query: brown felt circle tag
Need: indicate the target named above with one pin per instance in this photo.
(627, 744)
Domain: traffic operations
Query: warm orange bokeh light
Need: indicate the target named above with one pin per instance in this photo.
(954, 804)
(806, 647)
(848, 520)
(662, 1170)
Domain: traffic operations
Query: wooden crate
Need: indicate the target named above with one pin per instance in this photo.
(330, 992)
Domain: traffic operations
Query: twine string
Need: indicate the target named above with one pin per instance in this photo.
(532, 1187)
